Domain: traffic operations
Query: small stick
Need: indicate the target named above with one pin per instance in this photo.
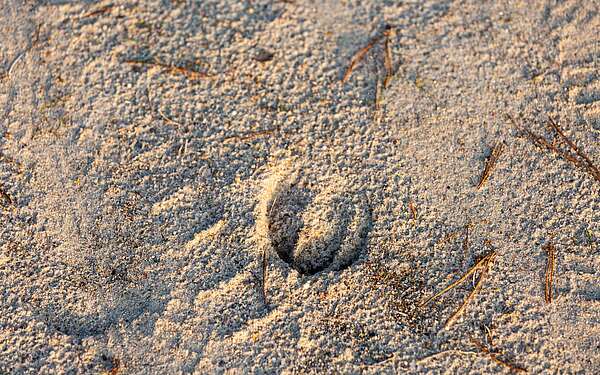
(359, 56)
(544, 144)
(15, 61)
(583, 162)
(96, 12)
(491, 163)
(484, 266)
(551, 251)
(389, 69)
(471, 295)
(483, 262)
(494, 356)
(590, 166)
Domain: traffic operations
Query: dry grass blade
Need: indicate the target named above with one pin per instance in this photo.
(96, 12)
(591, 168)
(15, 61)
(541, 142)
(491, 163)
(551, 251)
(389, 69)
(360, 55)
(580, 160)
(494, 357)
(481, 264)
(484, 270)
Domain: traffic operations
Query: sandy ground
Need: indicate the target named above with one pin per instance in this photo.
(192, 187)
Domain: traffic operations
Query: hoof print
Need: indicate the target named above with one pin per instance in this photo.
(314, 231)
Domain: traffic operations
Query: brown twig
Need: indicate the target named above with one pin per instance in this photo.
(102, 10)
(491, 163)
(592, 169)
(360, 55)
(551, 251)
(579, 159)
(483, 265)
(389, 69)
(494, 356)
(476, 289)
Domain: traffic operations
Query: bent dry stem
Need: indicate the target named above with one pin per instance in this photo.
(483, 265)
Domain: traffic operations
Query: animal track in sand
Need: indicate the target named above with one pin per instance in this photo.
(313, 230)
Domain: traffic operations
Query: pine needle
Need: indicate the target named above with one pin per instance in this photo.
(102, 10)
(360, 55)
(471, 295)
(483, 265)
(591, 168)
(491, 163)
(579, 159)
(551, 251)
(479, 265)
(389, 69)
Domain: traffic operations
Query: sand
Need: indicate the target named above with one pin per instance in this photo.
(189, 187)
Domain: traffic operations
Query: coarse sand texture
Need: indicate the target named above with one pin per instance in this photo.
(299, 187)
